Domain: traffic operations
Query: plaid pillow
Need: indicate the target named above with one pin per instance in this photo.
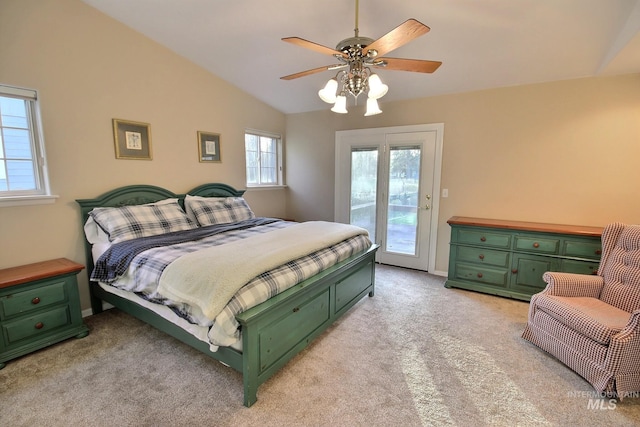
(131, 222)
(217, 210)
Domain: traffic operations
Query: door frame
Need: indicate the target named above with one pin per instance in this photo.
(341, 203)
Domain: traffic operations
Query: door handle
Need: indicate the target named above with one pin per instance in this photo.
(427, 207)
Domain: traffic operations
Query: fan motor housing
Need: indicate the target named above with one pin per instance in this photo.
(356, 43)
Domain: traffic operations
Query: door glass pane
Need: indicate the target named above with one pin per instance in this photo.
(364, 182)
(402, 211)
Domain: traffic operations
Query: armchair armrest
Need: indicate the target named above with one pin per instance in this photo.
(572, 285)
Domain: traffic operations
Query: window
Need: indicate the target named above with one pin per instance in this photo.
(22, 162)
(264, 158)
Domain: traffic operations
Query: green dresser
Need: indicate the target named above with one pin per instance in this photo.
(508, 258)
(39, 306)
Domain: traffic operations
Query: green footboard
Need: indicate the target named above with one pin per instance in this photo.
(278, 329)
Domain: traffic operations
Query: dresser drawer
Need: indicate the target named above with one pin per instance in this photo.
(480, 238)
(481, 274)
(36, 298)
(37, 324)
(483, 256)
(578, 249)
(580, 267)
(537, 245)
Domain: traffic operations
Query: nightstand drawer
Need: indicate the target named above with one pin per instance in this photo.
(33, 299)
(38, 324)
(481, 238)
(531, 244)
(483, 256)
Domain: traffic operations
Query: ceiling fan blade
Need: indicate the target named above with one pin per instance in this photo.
(313, 46)
(312, 71)
(402, 34)
(415, 65)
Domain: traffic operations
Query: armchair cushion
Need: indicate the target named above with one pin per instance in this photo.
(589, 316)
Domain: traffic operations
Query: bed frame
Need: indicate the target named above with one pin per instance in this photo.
(272, 332)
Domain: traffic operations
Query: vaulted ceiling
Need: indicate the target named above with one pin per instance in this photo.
(482, 44)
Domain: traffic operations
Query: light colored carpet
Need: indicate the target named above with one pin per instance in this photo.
(415, 354)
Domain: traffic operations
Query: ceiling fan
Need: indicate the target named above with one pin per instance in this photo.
(356, 55)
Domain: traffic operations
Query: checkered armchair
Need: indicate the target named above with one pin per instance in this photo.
(592, 323)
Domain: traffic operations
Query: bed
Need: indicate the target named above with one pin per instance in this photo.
(270, 333)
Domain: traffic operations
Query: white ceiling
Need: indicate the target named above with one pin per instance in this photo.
(482, 43)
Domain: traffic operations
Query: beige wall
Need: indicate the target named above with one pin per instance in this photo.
(563, 152)
(89, 69)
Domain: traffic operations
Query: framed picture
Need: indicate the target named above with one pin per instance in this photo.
(209, 147)
(132, 140)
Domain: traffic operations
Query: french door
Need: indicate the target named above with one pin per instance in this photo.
(387, 181)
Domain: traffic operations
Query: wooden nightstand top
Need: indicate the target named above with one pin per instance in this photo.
(39, 270)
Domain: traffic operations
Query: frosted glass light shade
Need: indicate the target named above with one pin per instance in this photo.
(328, 93)
(340, 105)
(377, 89)
(372, 107)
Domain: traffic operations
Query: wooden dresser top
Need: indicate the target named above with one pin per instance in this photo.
(579, 230)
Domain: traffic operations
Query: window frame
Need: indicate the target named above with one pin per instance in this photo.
(42, 193)
(279, 164)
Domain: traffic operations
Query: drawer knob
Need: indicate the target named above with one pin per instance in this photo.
(514, 271)
(599, 252)
(480, 275)
(36, 300)
(483, 239)
(481, 256)
(39, 325)
(536, 245)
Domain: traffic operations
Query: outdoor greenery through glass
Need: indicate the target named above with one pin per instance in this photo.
(402, 203)
(364, 184)
(402, 211)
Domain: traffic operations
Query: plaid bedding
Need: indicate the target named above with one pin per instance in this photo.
(115, 261)
(145, 268)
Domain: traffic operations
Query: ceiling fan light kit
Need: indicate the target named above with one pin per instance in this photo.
(357, 54)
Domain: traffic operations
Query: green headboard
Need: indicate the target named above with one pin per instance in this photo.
(141, 194)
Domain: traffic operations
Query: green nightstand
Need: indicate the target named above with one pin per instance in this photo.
(39, 306)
